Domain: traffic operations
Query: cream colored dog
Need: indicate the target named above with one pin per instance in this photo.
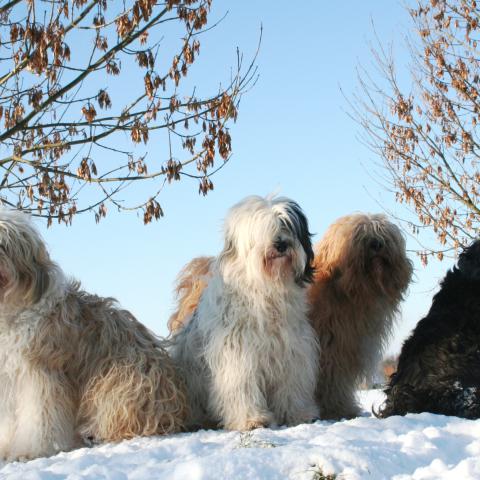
(249, 354)
(73, 366)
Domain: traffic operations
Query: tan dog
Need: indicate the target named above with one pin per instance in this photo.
(72, 365)
(361, 274)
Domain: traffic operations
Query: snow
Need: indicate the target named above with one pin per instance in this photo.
(423, 446)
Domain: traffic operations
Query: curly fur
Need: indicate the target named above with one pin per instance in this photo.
(439, 366)
(248, 353)
(361, 275)
(191, 282)
(72, 365)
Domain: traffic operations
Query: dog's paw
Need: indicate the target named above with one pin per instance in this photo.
(254, 424)
(247, 425)
(307, 415)
(251, 423)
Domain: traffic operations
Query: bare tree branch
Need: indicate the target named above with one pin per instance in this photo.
(55, 137)
(427, 137)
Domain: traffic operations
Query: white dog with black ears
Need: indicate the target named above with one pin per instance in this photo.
(249, 354)
(73, 366)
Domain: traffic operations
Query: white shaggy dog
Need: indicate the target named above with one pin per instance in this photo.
(72, 365)
(249, 354)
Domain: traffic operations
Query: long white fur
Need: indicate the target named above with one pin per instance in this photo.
(249, 354)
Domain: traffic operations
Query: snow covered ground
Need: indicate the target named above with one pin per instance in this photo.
(421, 446)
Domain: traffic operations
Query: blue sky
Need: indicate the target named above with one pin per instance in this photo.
(293, 135)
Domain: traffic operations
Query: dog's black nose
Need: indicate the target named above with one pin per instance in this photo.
(281, 246)
(376, 245)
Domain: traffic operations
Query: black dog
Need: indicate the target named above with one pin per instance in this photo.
(439, 365)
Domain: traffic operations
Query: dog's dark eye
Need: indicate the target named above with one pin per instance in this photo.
(281, 246)
(376, 245)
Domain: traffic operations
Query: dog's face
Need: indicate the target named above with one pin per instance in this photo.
(24, 261)
(267, 238)
(469, 261)
(367, 249)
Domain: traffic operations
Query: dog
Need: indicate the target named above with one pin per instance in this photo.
(361, 275)
(248, 353)
(439, 365)
(190, 284)
(74, 367)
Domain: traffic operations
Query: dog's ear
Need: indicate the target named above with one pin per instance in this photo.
(308, 272)
(4, 276)
(42, 282)
(228, 253)
(36, 276)
(469, 261)
(298, 225)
